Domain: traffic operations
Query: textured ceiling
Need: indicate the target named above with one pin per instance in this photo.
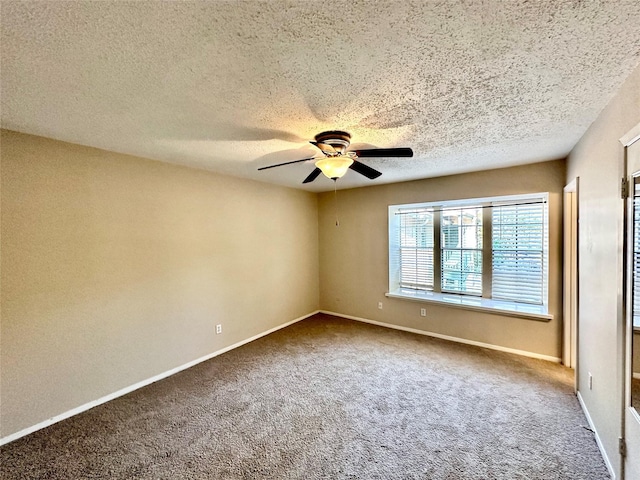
(233, 86)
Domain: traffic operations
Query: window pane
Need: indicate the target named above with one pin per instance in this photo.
(461, 243)
(518, 237)
(462, 271)
(416, 249)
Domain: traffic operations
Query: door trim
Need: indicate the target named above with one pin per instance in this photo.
(571, 284)
(628, 412)
(627, 140)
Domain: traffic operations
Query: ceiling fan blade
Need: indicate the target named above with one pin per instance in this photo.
(325, 147)
(384, 152)
(365, 170)
(285, 163)
(312, 176)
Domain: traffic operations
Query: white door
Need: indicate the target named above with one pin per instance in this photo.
(631, 141)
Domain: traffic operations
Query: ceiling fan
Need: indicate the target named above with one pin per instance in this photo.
(336, 161)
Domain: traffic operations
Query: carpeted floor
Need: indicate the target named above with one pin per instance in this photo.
(329, 398)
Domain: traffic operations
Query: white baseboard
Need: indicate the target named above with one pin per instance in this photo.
(447, 337)
(603, 452)
(636, 375)
(143, 383)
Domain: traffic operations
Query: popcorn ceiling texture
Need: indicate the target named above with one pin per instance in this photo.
(233, 86)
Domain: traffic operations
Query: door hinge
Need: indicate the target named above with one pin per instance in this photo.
(624, 187)
(622, 447)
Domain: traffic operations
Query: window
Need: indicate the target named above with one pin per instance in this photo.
(490, 249)
(461, 250)
(416, 249)
(518, 252)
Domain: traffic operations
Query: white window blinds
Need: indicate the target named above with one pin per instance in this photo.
(416, 248)
(518, 252)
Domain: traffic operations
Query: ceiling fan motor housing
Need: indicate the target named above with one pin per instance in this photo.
(337, 139)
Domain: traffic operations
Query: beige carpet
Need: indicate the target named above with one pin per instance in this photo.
(329, 398)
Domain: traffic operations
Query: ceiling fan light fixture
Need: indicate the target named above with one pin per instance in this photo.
(334, 167)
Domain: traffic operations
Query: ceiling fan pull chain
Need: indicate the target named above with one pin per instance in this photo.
(335, 197)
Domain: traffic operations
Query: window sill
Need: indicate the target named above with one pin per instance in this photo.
(486, 305)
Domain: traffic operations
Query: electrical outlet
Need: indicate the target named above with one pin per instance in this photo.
(380, 305)
(423, 312)
(218, 329)
(590, 381)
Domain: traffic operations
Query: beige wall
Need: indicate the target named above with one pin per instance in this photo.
(116, 269)
(597, 160)
(354, 256)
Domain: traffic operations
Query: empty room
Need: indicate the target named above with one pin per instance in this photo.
(320, 240)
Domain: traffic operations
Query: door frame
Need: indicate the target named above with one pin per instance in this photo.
(628, 413)
(571, 276)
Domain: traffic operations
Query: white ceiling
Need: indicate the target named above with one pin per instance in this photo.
(231, 86)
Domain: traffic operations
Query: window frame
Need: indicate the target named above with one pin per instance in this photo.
(482, 302)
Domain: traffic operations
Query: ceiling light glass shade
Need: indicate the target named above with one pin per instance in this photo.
(334, 167)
